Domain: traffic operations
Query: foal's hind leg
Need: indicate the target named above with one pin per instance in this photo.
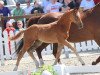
(21, 53)
(35, 60)
(66, 43)
(39, 50)
(32, 48)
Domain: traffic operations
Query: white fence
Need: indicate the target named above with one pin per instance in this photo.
(5, 53)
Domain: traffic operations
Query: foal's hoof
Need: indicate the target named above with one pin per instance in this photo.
(94, 63)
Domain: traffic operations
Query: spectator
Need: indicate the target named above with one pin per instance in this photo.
(9, 27)
(4, 11)
(45, 4)
(54, 6)
(87, 4)
(20, 28)
(68, 4)
(19, 25)
(28, 8)
(37, 8)
(18, 11)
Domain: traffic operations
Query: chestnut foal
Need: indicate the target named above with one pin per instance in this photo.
(56, 32)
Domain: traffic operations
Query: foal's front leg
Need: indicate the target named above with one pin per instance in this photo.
(66, 43)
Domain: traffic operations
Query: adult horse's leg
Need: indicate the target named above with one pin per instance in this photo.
(58, 53)
(55, 46)
(97, 40)
(97, 61)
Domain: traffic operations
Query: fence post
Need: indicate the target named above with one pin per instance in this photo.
(1, 21)
(1, 48)
(1, 42)
(7, 53)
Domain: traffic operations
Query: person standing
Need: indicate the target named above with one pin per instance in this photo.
(28, 9)
(87, 4)
(8, 29)
(37, 8)
(45, 4)
(54, 6)
(18, 11)
(20, 26)
(4, 11)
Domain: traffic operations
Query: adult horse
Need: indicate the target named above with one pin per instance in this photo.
(58, 31)
(90, 31)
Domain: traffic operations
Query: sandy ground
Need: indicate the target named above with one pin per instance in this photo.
(27, 62)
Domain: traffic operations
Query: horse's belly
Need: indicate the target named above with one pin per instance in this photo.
(48, 39)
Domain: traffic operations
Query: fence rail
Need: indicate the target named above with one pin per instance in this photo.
(84, 46)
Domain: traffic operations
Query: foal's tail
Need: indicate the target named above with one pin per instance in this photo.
(18, 35)
(20, 45)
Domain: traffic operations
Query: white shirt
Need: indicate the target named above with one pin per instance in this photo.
(44, 5)
(28, 10)
(54, 7)
(87, 4)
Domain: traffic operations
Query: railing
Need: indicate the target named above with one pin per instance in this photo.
(85, 46)
(80, 46)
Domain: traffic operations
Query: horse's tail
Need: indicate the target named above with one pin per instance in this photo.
(20, 45)
(18, 35)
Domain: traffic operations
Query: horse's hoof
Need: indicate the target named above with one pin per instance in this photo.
(93, 63)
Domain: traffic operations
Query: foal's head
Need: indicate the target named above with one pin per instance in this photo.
(75, 17)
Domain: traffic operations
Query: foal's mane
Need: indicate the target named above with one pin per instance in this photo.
(63, 17)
